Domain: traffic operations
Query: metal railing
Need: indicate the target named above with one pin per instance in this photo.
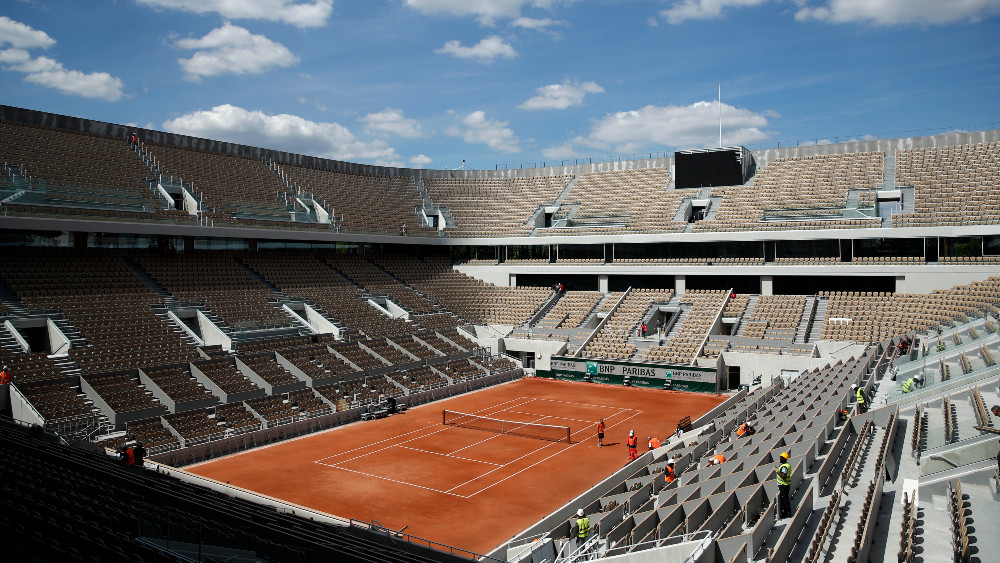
(400, 535)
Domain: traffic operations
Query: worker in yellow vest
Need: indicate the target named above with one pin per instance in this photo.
(908, 385)
(581, 527)
(784, 479)
(859, 393)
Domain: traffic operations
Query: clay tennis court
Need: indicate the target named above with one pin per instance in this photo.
(471, 489)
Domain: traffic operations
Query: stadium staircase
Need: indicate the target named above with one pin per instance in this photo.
(565, 215)
(280, 299)
(299, 201)
(751, 305)
(169, 303)
(853, 198)
(683, 310)
(429, 207)
(539, 315)
(808, 314)
(815, 329)
(18, 183)
(161, 179)
(889, 170)
(15, 309)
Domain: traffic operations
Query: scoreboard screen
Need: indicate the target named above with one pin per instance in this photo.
(711, 167)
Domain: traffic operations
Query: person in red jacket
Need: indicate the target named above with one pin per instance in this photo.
(5, 375)
(600, 434)
(633, 444)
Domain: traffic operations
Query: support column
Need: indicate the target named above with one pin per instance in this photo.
(680, 284)
(512, 281)
(767, 285)
(602, 283)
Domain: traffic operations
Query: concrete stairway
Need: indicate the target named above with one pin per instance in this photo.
(751, 305)
(808, 313)
(818, 318)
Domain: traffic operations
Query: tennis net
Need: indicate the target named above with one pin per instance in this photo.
(525, 429)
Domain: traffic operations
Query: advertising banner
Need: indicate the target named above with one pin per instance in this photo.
(659, 376)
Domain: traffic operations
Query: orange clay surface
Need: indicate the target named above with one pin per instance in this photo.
(470, 489)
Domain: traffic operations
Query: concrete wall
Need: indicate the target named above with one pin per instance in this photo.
(21, 408)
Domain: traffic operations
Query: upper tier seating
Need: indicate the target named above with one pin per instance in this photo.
(230, 184)
(361, 203)
(953, 185)
(639, 196)
(810, 186)
(90, 176)
(494, 206)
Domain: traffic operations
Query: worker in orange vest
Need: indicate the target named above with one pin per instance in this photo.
(600, 433)
(5, 375)
(745, 429)
(669, 474)
(716, 460)
(127, 455)
(633, 444)
(653, 443)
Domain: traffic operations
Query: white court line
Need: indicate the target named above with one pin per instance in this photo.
(584, 404)
(449, 455)
(367, 447)
(585, 421)
(393, 480)
(499, 466)
(529, 454)
(533, 464)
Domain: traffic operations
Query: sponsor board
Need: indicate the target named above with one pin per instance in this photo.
(680, 378)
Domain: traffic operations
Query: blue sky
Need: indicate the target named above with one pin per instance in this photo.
(430, 83)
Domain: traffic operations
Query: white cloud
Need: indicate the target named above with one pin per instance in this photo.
(299, 14)
(23, 36)
(696, 125)
(562, 151)
(476, 128)
(486, 11)
(537, 24)
(49, 72)
(878, 12)
(485, 51)
(892, 12)
(392, 120)
(231, 49)
(282, 131)
(561, 96)
(702, 9)
(421, 160)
